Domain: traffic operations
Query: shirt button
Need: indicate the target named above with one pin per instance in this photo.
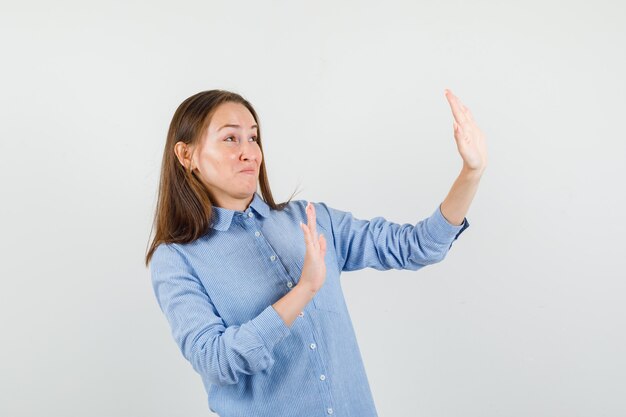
(301, 314)
(329, 410)
(272, 257)
(250, 214)
(290, 284)
(312, 345)
(322, 377)
(257, 233)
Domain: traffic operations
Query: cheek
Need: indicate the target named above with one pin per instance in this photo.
(210, 162)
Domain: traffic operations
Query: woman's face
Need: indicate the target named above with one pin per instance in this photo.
(228, 157)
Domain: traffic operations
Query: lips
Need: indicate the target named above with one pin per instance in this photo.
(248, 171)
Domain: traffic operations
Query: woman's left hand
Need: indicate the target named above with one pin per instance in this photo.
(470, 140)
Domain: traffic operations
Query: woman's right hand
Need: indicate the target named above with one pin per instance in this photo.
(314, 268)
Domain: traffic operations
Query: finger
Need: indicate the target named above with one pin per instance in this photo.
(322, 244)
(455, 105)
(468, 113)
(307, 234)
(311, 237)
(307, 214)
(312, 224)
(459, 132)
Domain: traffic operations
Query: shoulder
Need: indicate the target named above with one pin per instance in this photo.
(167, 254)
(326, 215)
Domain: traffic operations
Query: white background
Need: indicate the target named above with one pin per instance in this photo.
(524, 317)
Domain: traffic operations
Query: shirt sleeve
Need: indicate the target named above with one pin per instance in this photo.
(221, 353)
(383, 245)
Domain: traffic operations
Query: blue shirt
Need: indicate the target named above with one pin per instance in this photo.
(217, 294)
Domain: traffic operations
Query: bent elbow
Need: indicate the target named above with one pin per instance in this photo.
(419, 260)
(225, 365)
(441, 256)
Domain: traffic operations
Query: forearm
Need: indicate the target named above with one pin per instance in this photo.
(455, 206)
(292, 303)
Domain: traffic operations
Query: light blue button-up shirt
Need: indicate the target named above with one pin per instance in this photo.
(217, 294)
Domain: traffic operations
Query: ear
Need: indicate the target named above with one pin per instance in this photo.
(183, 153)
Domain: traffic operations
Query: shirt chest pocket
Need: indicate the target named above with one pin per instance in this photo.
(329, 297)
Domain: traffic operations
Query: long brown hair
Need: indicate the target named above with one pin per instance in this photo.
(184, 207)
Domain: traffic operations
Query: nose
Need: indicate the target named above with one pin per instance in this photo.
(249, 151)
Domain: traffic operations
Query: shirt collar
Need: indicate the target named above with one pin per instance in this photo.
(222, 217)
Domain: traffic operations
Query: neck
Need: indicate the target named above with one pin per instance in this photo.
(235, 204)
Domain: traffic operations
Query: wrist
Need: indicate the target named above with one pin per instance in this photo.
(471, 174)
(308, 288)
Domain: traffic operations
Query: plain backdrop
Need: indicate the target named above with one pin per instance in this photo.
(524, 317)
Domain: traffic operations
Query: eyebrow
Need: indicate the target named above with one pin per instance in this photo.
(251, 127)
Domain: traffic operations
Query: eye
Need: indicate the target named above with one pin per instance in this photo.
(230, 137)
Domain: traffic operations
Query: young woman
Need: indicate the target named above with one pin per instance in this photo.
(251, 288)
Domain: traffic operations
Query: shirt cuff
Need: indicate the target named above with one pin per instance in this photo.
(270, 327)
(442, 231)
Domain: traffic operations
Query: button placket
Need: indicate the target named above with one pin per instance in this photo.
(265, 246)
(272, 257)
(320, 365)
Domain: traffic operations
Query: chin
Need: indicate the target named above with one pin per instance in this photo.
(247, 193)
